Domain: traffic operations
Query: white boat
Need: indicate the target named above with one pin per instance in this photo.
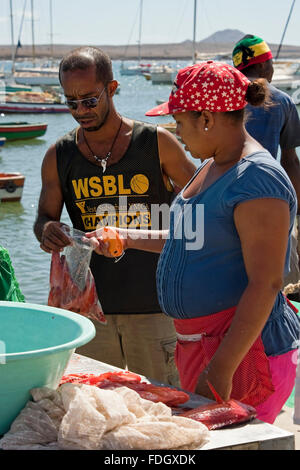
(31, 102)
(19, 107)
(287, 78)
(162, 74)
(37, 76)
(139, 69)
(8, 85)
(11, 187)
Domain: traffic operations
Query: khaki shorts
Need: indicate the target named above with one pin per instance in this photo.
(142, 343)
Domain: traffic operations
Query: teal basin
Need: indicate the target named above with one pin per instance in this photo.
(36, 343)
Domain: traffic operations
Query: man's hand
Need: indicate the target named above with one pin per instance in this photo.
(54, 236)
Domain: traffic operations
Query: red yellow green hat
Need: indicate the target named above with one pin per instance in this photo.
(250, 50)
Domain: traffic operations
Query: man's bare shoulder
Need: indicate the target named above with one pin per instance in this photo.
(50, 156)
(174, 161)
(166, 134)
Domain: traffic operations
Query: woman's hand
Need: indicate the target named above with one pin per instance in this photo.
(100, 246)
(144, 240)
(221, 382)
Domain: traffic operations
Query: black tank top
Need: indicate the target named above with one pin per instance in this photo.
(122, 196)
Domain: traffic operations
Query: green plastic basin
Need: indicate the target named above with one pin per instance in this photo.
(36, 343)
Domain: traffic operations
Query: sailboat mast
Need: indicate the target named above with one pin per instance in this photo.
(140, 32)
(21, 27)
(12, 37)
(51, 30)
(32, 33)
(194, 32)
(285, 28)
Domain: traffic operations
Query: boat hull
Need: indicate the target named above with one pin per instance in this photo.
(23, 107)
(13, 88)
(11, 187)
(37, 81)
(289, 87)
(22, 131)
(159, 78)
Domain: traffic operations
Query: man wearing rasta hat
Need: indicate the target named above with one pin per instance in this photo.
(249, 51)
(274, 126)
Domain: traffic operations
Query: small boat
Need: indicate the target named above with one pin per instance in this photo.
(33, 108)
(287, 78)
(2, 141)
(139, 69)
(36, 76)
(162, 74)
(147, 76)
(11, 87)
(32, 102)
(22, 130)
(11, 187)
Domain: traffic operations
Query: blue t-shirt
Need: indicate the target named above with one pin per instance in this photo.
(275, 126)
(206, 274)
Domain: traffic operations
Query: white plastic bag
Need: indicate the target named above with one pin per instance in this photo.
(72, 285)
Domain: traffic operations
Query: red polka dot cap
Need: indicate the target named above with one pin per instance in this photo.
(214, 86)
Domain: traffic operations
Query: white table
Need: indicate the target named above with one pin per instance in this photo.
(255, 435)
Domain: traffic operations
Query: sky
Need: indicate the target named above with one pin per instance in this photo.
(116, 22)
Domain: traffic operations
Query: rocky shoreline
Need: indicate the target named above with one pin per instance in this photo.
(178, 51)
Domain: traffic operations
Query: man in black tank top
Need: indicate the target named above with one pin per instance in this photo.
(114, 166)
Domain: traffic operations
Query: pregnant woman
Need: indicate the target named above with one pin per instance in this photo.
(223, 259)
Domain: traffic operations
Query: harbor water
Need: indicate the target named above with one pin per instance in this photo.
(31, 264)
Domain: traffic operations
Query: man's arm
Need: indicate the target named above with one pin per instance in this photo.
(47, 227)
(290, 162)
(174, 162)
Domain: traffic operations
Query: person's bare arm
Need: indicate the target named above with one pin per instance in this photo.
(263, 226)
(144, 240)
(174, 162)
(290, 162)
(47, 226)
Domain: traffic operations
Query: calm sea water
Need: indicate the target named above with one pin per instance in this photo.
(31, 264)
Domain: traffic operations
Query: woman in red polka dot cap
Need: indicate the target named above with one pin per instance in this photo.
(222, 262)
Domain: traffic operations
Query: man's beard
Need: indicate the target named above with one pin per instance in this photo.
(96, 128)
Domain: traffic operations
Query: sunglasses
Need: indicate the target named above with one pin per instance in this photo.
(86, 102)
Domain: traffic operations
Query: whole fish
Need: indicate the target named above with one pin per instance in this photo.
(111, 380)
(222, 413)
(64, 292)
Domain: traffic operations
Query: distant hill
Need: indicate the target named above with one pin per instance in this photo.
(227, 36)
(217, 45)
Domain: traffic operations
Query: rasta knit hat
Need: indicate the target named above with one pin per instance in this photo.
(250, 50)
(214, 86)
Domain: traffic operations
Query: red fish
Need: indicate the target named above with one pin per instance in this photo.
(112, 380)
(64, 293)
(221, 414)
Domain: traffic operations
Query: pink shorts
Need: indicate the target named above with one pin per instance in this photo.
(283, 372)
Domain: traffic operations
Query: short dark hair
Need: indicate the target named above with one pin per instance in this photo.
(84, 57)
